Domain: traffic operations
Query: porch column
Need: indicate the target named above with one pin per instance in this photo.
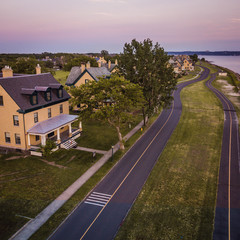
(70, 129)
(58, 136)
(43, 140)
(28, 136)
(80, 126)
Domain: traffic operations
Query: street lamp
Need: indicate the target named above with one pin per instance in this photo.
(112, 152)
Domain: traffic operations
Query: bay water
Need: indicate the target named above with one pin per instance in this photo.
(230, 62)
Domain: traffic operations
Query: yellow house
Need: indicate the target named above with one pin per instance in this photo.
(34, 108)
(187, 64)
(84, 74)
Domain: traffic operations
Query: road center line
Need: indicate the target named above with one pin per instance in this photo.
(222, 96)
(129, 172)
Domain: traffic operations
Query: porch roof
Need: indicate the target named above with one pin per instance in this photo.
(52, 124)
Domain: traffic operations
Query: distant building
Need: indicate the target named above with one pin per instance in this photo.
(85, 73)
(223, 74)
(181, 63)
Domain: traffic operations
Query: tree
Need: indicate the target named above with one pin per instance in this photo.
(28, 66)
(148, 65)
(194, 58)
(47, 149)
(108, 100)
(104, 53)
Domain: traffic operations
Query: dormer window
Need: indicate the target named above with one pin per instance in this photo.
(60, 93)
(48, 95)
(34, 99)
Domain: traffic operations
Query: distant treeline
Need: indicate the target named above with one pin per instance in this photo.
(207, 53)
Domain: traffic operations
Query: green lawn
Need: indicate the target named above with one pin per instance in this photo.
(102, 136)
(178, 199)
(28, 185)
(61, 76)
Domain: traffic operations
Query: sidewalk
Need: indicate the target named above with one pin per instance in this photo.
(34, 224)
(91, 150)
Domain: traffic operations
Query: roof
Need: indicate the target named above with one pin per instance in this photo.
(20, 88)
(96, 72)
(51, 124)
(73, 75)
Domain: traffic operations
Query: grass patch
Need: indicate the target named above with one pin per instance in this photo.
(213, 69)
(61, 76)
(178, 199)
(102, 136)
(28, 185)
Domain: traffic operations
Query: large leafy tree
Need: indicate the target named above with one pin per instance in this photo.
(148, 65)
(108, 100)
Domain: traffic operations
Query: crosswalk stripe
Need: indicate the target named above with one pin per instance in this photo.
(90, 200)
(95, 204)
(103, 197)
(104, 200)
(104, 194)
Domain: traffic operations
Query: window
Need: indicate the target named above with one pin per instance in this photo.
(37, 138)
(15, 120)
(34, 99)
(35, 117)
(86, 81)
(17, 138)
(48, 95)
(50, 134)
(49, 113)
(1, 100)
(60, 93)
(61, 108)
(7, 137)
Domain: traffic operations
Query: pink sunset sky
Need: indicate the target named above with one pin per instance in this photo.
(93, 25)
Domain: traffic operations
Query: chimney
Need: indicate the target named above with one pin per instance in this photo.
(109, 64)
(82, 67)
(7, 72)
(38, 69)
(116, 62)
(88, 65)
(99, 64)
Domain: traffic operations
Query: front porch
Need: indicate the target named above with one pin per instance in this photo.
(58, 129)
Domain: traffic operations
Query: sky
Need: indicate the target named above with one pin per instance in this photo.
(82, 26)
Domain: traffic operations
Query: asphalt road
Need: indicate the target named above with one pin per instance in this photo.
(102, 212)
(227, 214)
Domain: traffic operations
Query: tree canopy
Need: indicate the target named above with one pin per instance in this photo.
(194, 58)
(77, 62)
(108, 100)
(148, 65)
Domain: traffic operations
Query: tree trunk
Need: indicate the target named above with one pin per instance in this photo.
(120, 139)
(144, 121)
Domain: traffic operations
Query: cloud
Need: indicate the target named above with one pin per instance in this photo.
(235, 20)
